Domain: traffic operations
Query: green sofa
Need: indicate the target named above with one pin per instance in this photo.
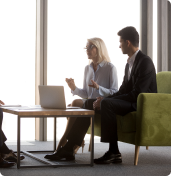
(150, 125)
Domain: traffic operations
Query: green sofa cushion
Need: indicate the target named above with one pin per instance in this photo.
(153, 119)
(125, 124)
(164, 82)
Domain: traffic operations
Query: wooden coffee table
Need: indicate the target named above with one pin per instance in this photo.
(38, 112)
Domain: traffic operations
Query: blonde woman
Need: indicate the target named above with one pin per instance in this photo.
(100, 80)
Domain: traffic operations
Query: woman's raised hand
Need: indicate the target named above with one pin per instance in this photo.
(1, 103)
(94, 85)
(71, 83)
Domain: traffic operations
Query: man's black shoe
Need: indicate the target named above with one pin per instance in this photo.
(61, 154)
(108, 158)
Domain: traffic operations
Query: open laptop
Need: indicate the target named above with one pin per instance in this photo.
(53, 97)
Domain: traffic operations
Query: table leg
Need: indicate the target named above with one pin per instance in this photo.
(54, 139)
(18, 143)
(92, 142)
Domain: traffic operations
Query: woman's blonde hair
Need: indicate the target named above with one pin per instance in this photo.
(101, 49)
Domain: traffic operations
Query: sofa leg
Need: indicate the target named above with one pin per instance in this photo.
(137, 149)
(146, 147)
(89, 149)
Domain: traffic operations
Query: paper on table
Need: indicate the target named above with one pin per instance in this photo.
(10, 105)
(31, 107)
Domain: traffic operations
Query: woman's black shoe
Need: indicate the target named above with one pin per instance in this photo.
(51, 156)
(108, 158)
(61, 154)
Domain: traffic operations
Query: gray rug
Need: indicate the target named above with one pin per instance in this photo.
(153, 162)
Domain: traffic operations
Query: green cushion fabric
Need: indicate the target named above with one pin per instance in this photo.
(97, 125)
(125, 123)
(164, 82)
(153, 120)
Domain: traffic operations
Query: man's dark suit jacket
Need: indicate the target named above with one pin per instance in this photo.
(142, 80)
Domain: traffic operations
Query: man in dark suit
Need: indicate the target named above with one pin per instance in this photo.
(7, 156)
(140, 77)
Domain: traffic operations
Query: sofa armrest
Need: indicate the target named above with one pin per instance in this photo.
(153, 121)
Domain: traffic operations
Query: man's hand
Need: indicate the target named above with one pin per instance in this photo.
(1, 103)
(96, 104)
(94, 85)
(71, 83)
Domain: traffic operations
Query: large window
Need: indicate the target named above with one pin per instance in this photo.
(71, 23)
(17, 56)
(155, 34)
